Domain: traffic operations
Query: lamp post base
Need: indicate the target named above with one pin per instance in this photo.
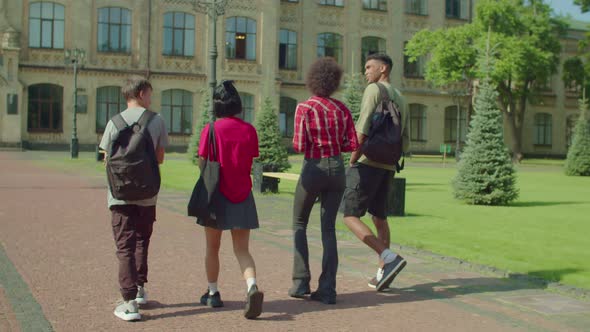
(74, 148)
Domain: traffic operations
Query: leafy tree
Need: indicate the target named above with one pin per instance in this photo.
(273, 154)
(527, 55)
(193, 147)
(486, 174)
(578, 155)
(353, 95)
(585, 4)
(576, 70)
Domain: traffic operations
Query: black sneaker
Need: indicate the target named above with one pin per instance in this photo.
(254, 301)
(300, 291)
(325, 299)
(213, 301)
(390, 271)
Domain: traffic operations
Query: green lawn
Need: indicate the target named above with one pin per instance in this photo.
(545, 233)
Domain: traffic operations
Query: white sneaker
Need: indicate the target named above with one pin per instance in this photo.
(141, 297)
(128, 311)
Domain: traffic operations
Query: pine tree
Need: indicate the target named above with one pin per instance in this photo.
(273, 154)
(486, 175)
(578, 156)
(193, 147)
(353, 95)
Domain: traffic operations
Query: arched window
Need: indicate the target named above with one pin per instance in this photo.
(417, 122)
(240, 38)
(45, 112)
(542, 129)
(179, 34)
(451, 122)
(287, 49)
(370, 45)
(46, 25)
(177, 111)
(287, 116)
(330, 44)
(247, 107)
(114, 30)
(109, 102)
(569, 128)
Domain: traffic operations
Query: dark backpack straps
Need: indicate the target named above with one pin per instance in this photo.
(145, 118)
(212, 144)
(119, 122)
(384, 93)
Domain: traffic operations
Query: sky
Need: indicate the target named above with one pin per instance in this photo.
(566, 7)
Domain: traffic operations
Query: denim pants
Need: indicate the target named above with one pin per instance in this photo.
(323, 178)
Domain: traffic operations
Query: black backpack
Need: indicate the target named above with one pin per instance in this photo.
(384, 144)
(132, 168)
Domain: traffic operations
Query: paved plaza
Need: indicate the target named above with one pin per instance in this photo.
(58, 272)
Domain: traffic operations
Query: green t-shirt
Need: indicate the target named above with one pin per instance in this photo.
(372, 98)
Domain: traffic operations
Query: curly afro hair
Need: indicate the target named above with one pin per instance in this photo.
(323, 77)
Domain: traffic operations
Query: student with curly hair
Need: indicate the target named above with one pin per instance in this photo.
(323, 129)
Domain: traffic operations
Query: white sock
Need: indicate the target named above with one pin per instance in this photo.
(379, 274)
(250, 282)
(387, 256)
(213, 288)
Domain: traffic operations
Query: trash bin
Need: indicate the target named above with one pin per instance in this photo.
(396, 198)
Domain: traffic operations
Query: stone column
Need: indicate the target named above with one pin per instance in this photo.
(269, 34)
(12, 125)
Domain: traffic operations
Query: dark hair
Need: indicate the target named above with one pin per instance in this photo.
(383, 58)
(226, 100)
(323, 77)
(134, 85)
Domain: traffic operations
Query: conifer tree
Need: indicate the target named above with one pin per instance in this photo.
(273, 154)
(578, 155)
(486, 175)
(353, 95)
(193, 147)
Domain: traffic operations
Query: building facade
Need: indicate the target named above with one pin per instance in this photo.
(265, 46)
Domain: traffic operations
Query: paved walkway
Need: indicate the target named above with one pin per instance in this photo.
(58, 272)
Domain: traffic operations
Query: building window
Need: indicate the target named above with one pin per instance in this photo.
(247, 113)
(240, 38)
(458, 9)
(287, 116)
(375, 4)
(11, 103)
(336, 3)
(114, 30)
(418, 122)
(371, 45)
(287, 49)
(179, 34)
(109, 102)
(177, 111)
(413, 69)
(46, 25)
(45, 108)
(542, 129)
(330, 44)
(416, 7)
(451, 124)
(569, 129)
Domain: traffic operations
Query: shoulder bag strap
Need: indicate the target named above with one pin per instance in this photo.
(145, 118)
(119, 122)
(212, 142)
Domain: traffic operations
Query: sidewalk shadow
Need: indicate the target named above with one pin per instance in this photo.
(285, 310)
(194, 309)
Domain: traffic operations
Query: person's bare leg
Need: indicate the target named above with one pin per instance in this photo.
(364, 233)
(213, 239)
(382, 228)
(241, 241)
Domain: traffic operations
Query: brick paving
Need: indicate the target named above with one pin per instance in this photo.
(59, 272)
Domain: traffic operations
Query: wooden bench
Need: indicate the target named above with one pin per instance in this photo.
(284, 176)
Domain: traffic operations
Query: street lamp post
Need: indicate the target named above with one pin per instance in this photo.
(75, 57)
(213, 8)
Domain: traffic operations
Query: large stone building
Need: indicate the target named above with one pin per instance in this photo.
(264, 45)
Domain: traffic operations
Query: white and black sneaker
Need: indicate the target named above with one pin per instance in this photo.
(128, 311)
(390, 271)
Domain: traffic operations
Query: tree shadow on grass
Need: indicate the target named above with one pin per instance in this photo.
(537, 204)
(545, 276)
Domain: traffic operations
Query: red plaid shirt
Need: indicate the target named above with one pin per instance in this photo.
(323, 128)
